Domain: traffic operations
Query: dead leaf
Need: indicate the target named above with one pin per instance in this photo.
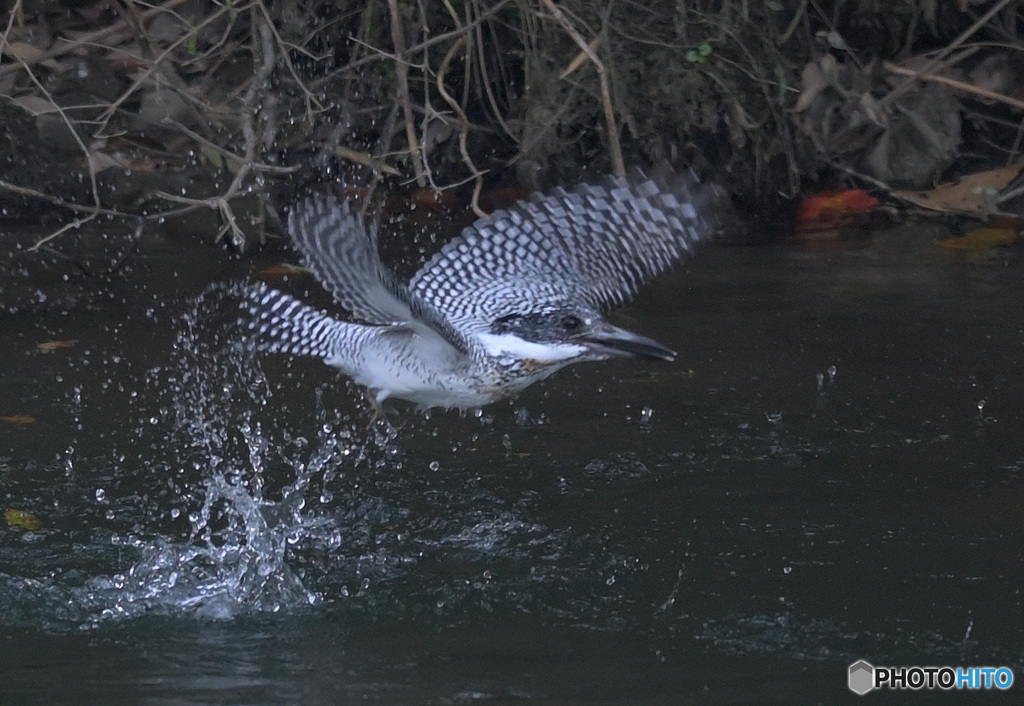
(100, 160)
(816, 77)
(972, 193)
(874, 112)
(18, 419)
(23, 51)
(51, 346)
(21, 519)
(35, 105)
(981, 239)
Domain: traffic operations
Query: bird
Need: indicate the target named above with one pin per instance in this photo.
(516, 296)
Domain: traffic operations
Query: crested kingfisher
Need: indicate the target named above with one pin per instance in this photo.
(516, 296)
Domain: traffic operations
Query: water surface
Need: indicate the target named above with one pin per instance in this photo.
(830, 471)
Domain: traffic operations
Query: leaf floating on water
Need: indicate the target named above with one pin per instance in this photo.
(18, 419)
(51, 346)
(981, 239)
(21, 519)
(972, 193)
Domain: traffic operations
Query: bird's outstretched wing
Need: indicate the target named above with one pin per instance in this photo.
(341, 252)
(597, 244)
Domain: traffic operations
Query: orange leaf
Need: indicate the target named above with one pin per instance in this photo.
(18, 419)
(830, 208)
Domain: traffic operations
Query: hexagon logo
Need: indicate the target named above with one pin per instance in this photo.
(862, 677)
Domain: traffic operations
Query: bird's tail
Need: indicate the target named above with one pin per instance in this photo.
(283, 324)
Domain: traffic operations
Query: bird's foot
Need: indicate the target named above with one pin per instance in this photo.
(378, 410)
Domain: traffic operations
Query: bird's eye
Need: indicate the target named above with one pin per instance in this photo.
(571, 322)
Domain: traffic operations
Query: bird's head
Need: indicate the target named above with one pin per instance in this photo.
(558, 336)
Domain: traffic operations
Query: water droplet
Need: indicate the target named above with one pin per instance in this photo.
(787, 569)
(645, 415)
(434, 466)
(101, 495)
(175, 513)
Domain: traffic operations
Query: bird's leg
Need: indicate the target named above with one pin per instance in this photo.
(379, 413)
(377, 407)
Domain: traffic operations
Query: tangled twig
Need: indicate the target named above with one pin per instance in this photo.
(614, 148)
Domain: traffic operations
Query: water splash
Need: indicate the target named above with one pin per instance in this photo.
(240, 567)
(253, 492)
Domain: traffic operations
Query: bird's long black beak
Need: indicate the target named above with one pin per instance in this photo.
(612, 341)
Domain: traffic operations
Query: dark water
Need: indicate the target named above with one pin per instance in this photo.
(831, 471)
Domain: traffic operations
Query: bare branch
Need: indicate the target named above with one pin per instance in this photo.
(615, 150)
(402, 74)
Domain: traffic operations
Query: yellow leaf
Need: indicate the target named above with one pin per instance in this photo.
(18, 419)
(21, 519)
(981, 239)
(50, 346)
